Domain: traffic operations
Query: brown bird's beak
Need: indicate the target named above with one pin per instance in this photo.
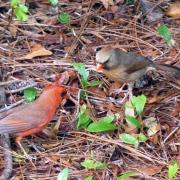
(99, 67)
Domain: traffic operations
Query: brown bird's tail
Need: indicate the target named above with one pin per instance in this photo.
(172, 73)
(168, 69)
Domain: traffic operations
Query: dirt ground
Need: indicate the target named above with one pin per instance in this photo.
(33, 52)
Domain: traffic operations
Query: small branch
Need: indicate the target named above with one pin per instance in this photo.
(7, 157)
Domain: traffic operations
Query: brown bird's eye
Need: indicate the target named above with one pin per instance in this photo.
(98, 49)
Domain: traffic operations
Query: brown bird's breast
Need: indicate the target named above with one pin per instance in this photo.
(120, 75)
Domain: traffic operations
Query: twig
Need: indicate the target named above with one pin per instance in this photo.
(11, 106)
(132, 150)
(7, 156)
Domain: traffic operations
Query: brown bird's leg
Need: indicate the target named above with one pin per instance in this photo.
(18, 141)
(118, 91)
(130, 90)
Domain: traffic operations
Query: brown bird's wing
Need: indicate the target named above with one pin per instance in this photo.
(27, 118)
(134, 62)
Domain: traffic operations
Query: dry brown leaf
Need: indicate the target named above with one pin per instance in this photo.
(114, 9)
(87, 41)
(66, 76)
(114, 86)
(13, 30)
(178, 158)
(154, 139)
(97, 34)
(153, 126)
(37, 51)
(174, 10)
(112, 107)
(153, 130)
(153, 99)
(51, 21)
(129, 110)
(130, 129)
(176, 110)
(150, 170)
(97, 92)
(106, 3)
(173, 52)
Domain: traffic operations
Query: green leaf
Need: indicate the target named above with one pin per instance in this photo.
(63, 175)
(163, 30)
(84, 73)
(108, 119)
(139, 103)
(101, 126)
(23, 8)
(88, 178)
(80, 68)
(84, 121)
(142, 138)
(64, 18)
(53, 2)
(83, 117)
(126, 175)
(20, 10)
(172, 170)
(130, 2)
(104, 124)
(20, 14)
(83, 94)
(94, 83)
(90, 164)
(15, 3)
(128, 139)
(84, 82)
(30, 94)
(133, 121)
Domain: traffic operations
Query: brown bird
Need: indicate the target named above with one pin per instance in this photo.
(126, 67)
(32, 118)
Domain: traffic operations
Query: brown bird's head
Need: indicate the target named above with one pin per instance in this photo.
(107, 58)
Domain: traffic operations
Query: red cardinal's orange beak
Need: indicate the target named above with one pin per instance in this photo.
(99, 67)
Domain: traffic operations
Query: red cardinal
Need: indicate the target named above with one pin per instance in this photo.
(31, 118)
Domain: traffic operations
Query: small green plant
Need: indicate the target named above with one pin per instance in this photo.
(84, 75)
(138, 103)
(30, 94)
(63, 175)
(91, 164)
(132, 140)
(172, 170)
(133, 121)
(84, 121)
(126, 175)
(129, 139)
(83, 117)
(104, 124)
(53, 2)
(165, 33)
(20, 10)
(64, 18)
(133, 109)
(142, 138)
(88, 178)
(129, 2)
